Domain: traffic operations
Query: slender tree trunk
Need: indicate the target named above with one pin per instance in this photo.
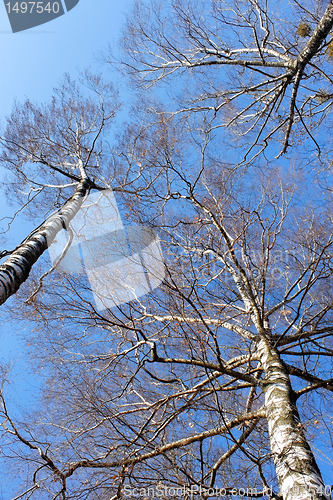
(16, 269)
(296, 468)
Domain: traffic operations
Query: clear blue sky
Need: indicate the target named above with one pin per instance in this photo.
(33, 61)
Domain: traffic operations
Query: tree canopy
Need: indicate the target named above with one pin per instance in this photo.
(217, 383)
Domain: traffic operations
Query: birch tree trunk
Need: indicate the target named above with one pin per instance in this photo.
(296, 468)
(16, 269)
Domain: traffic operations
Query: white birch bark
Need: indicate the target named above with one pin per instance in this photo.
(320, 33)
(16, 269)
(296, 468)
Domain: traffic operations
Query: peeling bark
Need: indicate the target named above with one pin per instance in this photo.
(16, 269)
(296, 468)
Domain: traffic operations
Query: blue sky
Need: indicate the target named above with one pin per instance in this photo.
(33, 61)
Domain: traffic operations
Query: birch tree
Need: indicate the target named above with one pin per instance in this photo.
(257, 68)
(208, 382)
(217, 383)
(47, 158)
